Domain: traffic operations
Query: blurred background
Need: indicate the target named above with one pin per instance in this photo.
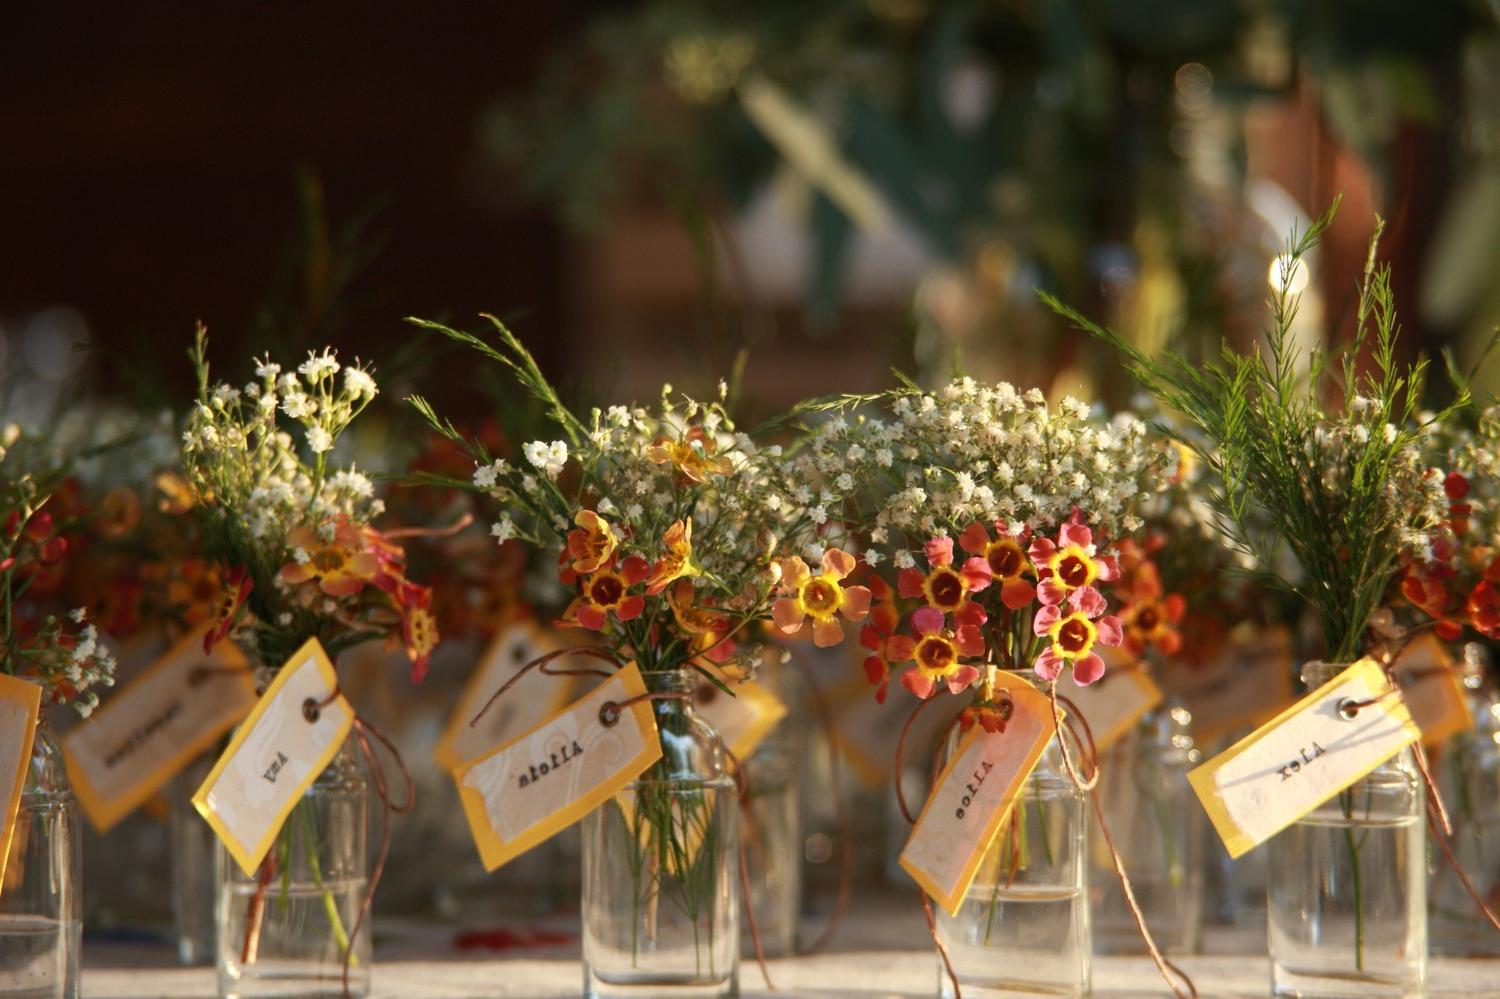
(645, 189)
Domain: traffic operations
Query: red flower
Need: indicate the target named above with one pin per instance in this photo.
(938, 651)
(236, 590)
(1066, 569)
(879, 627)
(945, 586)
(606, 593)
(1005, 556)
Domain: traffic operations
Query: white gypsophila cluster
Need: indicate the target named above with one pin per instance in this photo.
(644, 470)
(1417, 506)
(1474, 453)
(238, 451)
(932, 463)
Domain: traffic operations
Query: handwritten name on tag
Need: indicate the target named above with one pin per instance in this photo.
(973, 795)
(538, 784)
(1115, 702)
(1302, 757)
(155, 726)
(743, 720)
(20, 706)
(513, 648)
(289, 739)
(1433, 692)
(1248, 682)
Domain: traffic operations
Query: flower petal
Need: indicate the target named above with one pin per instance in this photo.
(635, 569)
(794, 572)
(927, 620)
(1087, 669)
(1045, 618)
(977, 574)
(900, 648)
(1110, 632)
(970, 614)
(975, 539)
(909, 583)
(838, 562)
(630, 608)
(827, 633)
(970, 642)
(788, 615)
(856, 602)
(1048, 665)
(1017, 593)
(1075, 534)
(1051, 591)
(939, 551)
(959, 679)
(918, 683)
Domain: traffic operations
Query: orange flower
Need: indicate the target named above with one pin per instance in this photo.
(708, 627)
(945, 587)
(237, 587)
(990, 717)
(1069, 568)
(593, 544)
(692, 455)
(822, 597)
(606, 593)
(1073, 637)
(1149, 617)
(177, 496)
(938, 651)
(341, 565)
(678, 562)
(419, 631)
(879, 627)
(1006, 558)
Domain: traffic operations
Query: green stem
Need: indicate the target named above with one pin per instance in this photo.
(330, 906)
(1346, 800)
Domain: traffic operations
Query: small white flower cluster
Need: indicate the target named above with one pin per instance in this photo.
(71, 659)
(237, 452)
(1474, 453)
(643, 470)
(932, 463)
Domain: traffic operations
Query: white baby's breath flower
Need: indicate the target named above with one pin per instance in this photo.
(359, 383)
(319, 441)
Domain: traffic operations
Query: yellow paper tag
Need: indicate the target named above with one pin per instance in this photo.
(275, 756)
(538, 784)
(1302, 757)
(534, 697)
(742, 721)
(155, 726)
(20, 706)
(1246, 683)
(1433, 692)
(1113, 703)
(973, 795)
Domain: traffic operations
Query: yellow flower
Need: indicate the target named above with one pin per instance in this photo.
(678, 561)
(822, 597)
(593, 544)
(693, 455)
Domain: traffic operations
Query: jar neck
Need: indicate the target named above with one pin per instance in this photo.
(1028, 675)
(1316, 672)
(670, 681)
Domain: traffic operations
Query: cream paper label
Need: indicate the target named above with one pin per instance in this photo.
(1248, 682)
(973, 795)
(275, 756)
(743, 720)
(537, 785)
(1433, 692)
(20, 706)
(1114, 702)
(155, 726)
(530, 699)
(1302, 757)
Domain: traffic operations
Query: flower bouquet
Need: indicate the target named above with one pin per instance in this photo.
(666, 525)
(65, 655)
(985, 516)
(293, 534)
(1321, 459)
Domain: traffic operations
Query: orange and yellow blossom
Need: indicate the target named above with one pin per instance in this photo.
(822, 597)
(593, 544)
(341, 565)
(678, 560)
(692, 455)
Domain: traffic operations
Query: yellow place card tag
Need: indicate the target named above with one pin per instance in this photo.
(1114, 703)
(743, 720)
(534, 697)
(973, 795)
(1302, 757)
(155, 726)
(278, 752)
(1433, 692)
(539, 783)
(1248, 682)
(20, 706)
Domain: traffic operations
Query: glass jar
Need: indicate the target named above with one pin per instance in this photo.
(285, 930)
(40, 927)
(1346, 904)
(1155, 822)
(191, 843)
(1024, 927)
(771, 826)
(661, 876)
(1467, 770)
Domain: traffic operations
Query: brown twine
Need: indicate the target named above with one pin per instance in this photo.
(742, 790)
(845, 889)
(1089, 752)
(542, 663)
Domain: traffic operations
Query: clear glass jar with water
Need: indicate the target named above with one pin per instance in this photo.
(1024, 928)
(1346, 901)
(40, 925)
(286, 929)
(661, 876)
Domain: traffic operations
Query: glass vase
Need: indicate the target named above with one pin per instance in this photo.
(1154, 820)
(1024, 926)
(771, 826)
(191, 844)
(1467, 770)
(1346, 906)
(284, 930)
(661, 876)
(40, 928)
